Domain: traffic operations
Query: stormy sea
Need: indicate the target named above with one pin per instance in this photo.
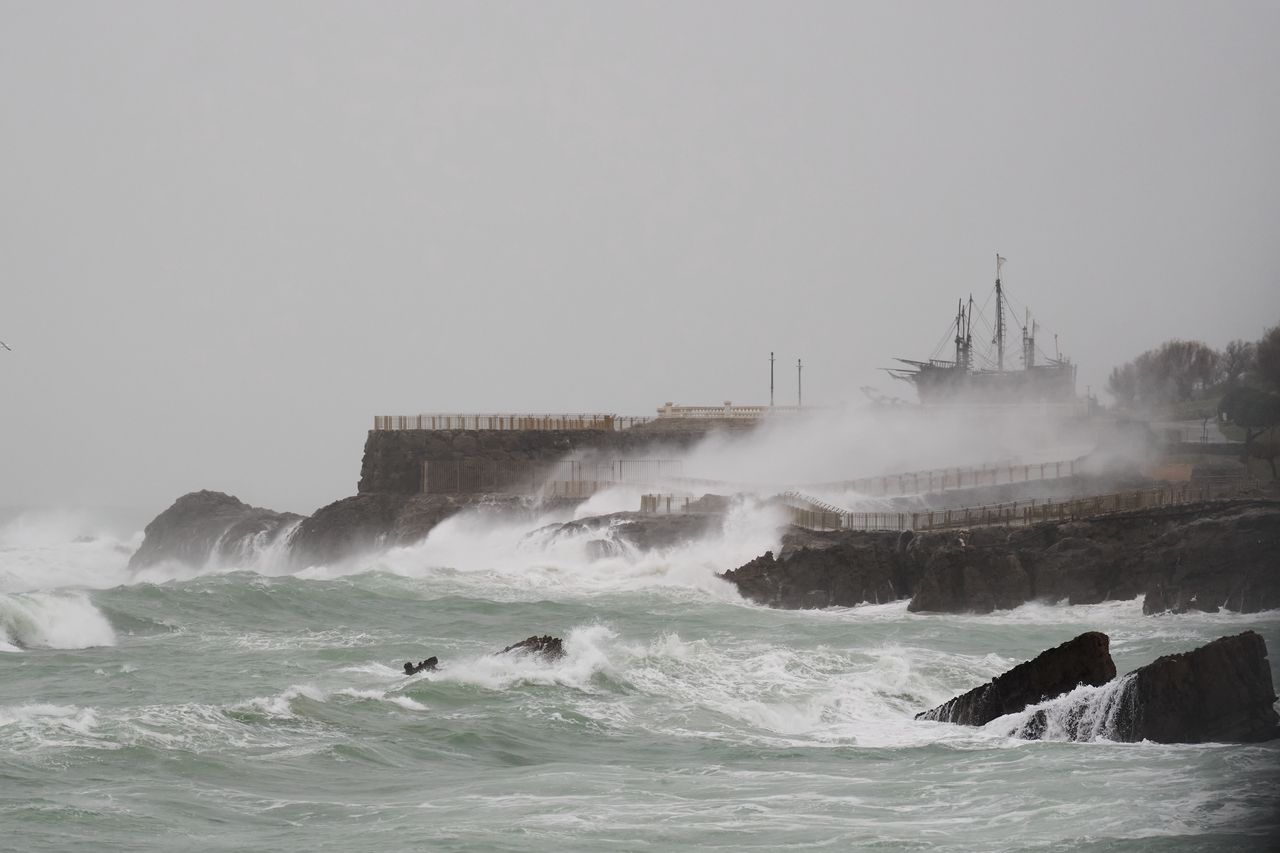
(253, 705)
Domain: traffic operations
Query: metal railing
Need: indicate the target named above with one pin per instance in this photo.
(728, 411)
(805, 511)
(942, 479)
(584, 421)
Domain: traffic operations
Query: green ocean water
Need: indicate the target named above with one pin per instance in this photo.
(246, 708)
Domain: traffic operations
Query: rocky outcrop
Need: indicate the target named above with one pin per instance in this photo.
(1202, 556)
(210, 526)
(547, 646)
(203, 526)
(829, 569)
(642, 531)
(1229, 561)
(1083, 660)
(1219, 693)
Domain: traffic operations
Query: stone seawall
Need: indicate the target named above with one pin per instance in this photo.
(393, 458)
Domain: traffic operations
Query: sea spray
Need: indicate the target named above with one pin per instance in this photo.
(1087, 713)
(52, 620)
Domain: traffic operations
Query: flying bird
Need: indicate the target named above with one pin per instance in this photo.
(6, 346)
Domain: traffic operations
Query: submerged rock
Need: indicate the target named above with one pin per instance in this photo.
(1083, 660)
(548, 646)
(206, 525)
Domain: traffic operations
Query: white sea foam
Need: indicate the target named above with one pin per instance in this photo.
(506, 555)
(1087, 713)
(52, 620)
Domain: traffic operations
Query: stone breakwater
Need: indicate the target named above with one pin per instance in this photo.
(1197, 557)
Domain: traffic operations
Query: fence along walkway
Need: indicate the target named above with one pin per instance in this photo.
(942, 479)
(603, 422)
(814, 514)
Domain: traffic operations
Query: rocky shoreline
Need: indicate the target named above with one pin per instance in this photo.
(1206, 557)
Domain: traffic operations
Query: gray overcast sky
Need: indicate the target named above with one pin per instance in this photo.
(233, 232)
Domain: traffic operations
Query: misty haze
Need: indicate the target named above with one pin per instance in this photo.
(574, 426)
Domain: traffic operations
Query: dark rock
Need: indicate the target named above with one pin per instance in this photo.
(1203, 556)
(1219, 560)
(1219, 693)
(1083, 660)
(428, 665)
(827, 569)
(345, 528)
(976, 579)
(205, 525)
(546, 645)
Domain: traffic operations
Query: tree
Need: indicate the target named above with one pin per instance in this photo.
(1123, 384)
(1256, 411)
(1235, 360)
(1173, 371)
(1267, 357)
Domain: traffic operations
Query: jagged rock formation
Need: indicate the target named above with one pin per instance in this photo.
(829, 569)
(1219, 693)
(548, 646)
(1183, 557)
(205, 525)
(1083, 660)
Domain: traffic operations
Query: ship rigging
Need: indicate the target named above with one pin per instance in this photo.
(975, 377)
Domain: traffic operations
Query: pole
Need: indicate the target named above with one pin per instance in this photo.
(799, 385)
(999, 315)
(771, 380)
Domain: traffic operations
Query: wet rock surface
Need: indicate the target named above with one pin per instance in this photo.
(828, 569)
(1083, 660)
(548, 646)
(1206, 556)
(205, 525)
(1221, 693)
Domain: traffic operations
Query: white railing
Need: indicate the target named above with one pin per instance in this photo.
(726, 412)
(586, 421)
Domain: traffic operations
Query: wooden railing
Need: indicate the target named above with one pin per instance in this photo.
(602, 422)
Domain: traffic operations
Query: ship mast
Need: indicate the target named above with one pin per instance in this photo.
(999, 316)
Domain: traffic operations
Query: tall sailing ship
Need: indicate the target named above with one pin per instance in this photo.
(975, 376)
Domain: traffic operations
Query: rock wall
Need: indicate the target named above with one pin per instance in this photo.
(393, 458)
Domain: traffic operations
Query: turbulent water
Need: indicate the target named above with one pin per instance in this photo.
(239, 707)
